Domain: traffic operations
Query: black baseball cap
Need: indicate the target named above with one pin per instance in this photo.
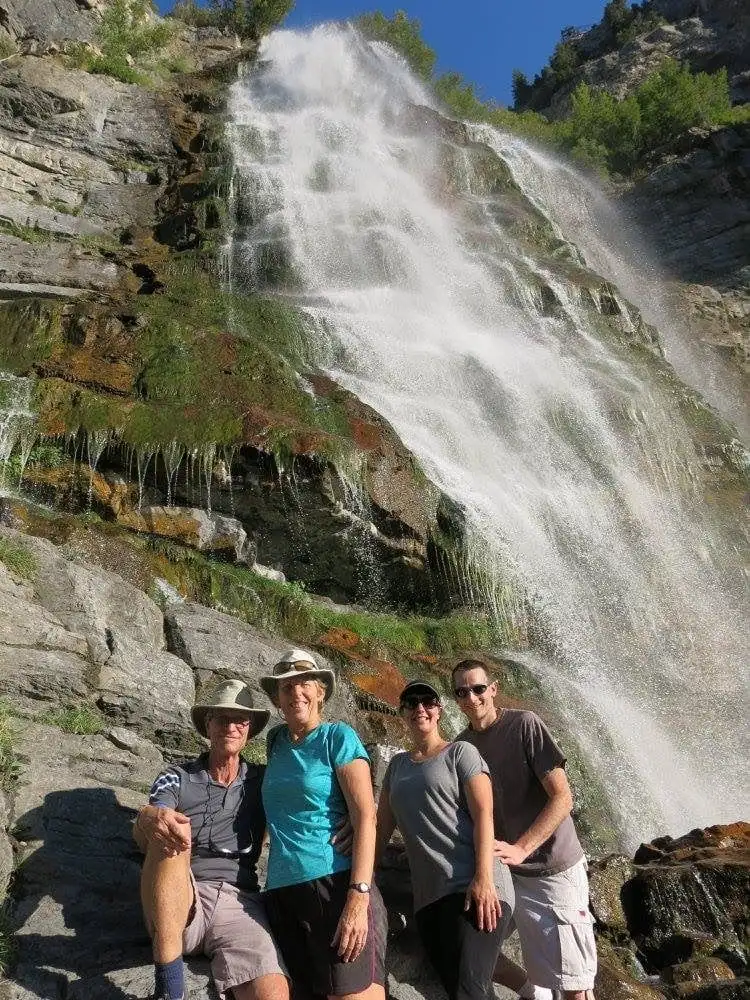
(419, 687)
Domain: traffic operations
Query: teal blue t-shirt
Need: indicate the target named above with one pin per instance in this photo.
(304, 803)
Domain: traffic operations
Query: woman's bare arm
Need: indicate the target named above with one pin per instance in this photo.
(482, 890)
(356, 784)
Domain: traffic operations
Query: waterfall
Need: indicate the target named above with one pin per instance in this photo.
(17, 421)
(565, 449)
(613, 247)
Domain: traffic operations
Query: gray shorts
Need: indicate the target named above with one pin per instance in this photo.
(230, 927)
(556, 930)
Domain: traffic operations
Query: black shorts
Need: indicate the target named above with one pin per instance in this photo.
(304, 918)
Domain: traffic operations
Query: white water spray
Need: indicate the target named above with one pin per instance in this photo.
(17, 422)
(572, 464)
(613, 247)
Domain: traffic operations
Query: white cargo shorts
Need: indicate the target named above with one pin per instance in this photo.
(556, 929)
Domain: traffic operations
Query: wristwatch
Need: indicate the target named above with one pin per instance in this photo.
(360, 886)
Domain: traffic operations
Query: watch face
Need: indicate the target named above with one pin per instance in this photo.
(360, 886)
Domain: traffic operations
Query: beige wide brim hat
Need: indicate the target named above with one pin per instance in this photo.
(293, 663)
(233, 695)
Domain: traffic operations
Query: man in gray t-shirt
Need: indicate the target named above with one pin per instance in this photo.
(536, 838)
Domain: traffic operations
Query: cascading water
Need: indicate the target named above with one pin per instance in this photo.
(572, 464)
(17, 421)
(613, 247)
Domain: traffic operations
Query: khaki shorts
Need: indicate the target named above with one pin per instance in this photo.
(230, 927)
(556, 930)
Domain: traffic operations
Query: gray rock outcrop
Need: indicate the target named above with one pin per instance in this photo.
(86, 635)
(75, 634)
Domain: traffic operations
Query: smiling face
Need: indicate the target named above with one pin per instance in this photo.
(478, 706)
(421, 713)
(300, 700)
(228, 731)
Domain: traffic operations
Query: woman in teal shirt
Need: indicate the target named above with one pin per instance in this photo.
(327, 917)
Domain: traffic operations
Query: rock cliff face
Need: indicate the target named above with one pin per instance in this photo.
(112, 199)
(173, 472)
(97, 682)
(707, 34)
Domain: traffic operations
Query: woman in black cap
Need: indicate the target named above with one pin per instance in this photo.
(440, 796)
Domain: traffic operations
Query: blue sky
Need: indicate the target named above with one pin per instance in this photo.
(482, 39)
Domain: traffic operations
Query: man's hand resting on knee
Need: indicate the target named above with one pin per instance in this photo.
(166, 827)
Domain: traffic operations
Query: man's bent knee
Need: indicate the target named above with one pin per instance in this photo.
(274, 986)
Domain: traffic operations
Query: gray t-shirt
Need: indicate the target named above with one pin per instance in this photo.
(221, 817)
(520, 751)
(429, 804)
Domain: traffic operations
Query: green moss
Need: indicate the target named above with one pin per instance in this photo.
(63, 206)
(219, 378)
(10, 767)
(29, 329)
(288, 609)
(81, 720)
(30, 234)
(17, 558)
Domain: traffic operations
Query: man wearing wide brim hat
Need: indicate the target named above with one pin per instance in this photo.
(293, 663)
(202, 833)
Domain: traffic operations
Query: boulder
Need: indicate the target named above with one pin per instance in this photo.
(41, 661)
(217, 645)
(690, 977)
(690, 897)
(85, 634)
(617, 976)
(192, 526)
(607, 877)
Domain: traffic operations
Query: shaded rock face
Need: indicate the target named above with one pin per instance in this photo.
(84, 635)
(80, 156)
(695, 210)
(691, 896)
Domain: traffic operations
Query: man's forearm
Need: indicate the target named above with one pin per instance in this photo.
(557, 808)
(140, 834)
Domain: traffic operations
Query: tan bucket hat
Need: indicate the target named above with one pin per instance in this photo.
(234, 695)
(293, 663)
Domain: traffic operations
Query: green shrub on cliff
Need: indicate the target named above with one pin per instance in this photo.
(80, 720)
(9, 767)
(247, 18)
(17, 558)
(128, 31)
(403, 34)
(618, 135)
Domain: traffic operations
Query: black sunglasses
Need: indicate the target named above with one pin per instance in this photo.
(411, 701)
(476, 689)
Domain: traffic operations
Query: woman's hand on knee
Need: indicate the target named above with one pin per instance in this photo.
(482, 894)
(351, 931)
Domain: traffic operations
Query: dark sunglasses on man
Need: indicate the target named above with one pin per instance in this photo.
(463, 692)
